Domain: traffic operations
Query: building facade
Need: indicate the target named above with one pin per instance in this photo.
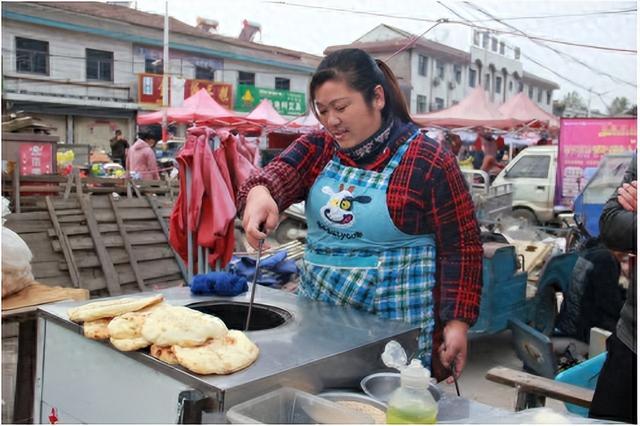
(435, 76)
(90, 68)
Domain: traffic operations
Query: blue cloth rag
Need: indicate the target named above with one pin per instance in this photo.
(275, 270)
(218, 284)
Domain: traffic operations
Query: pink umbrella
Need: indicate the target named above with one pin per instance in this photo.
(200, 107)
(524, 109)
(266, 114)
(473, 111)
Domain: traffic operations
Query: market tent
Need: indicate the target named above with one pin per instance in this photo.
(308, 121)
(524, 109)
(266, 114)
(200, 107)
(476, 110)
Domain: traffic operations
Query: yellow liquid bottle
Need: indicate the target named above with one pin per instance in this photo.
(412, 403)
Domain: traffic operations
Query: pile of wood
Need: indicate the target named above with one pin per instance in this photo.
(25, 191)
(106, 245)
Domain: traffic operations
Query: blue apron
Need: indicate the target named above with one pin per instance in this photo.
(357, 256)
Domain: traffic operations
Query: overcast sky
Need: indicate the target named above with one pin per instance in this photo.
(309, 28)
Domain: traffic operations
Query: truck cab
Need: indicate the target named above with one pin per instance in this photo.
(532, 175)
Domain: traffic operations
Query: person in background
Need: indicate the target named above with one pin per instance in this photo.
(490, 164)
(141, 159)
(119, 148)
(391, 223)
(615, 397)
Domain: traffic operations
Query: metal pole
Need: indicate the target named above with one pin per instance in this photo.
(165, 72)
(189, 236)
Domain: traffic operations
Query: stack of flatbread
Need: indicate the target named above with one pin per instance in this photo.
(199, 342)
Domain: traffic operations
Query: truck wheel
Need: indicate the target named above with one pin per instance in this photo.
(525, 215)
(546, 311)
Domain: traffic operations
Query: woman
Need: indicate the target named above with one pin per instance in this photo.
(387, 208)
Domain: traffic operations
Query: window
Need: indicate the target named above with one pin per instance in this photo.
(548, 97)
(485, 40)
(32, 56)
(516, 53)
(530, 92)
(472, 78)
(498, 84)
(457, 72)
(439, 104)
(502, 47)
(247, 78)
(153, 66)
(439, 69)
(421, 104)
(494, 44)
(422, 65)
(205, 73)
(531, 166)
(520, 86)
(476, 37)
(99, 65)
(487, 81)
(510, 86)
(282, 83)
(539, 95)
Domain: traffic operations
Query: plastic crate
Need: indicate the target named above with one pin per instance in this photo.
(584, 375)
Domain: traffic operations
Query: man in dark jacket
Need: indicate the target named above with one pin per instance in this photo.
(615, 396)
(119, 146)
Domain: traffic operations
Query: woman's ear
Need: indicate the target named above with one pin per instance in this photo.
(378, 97)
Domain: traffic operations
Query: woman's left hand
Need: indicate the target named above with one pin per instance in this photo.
(454, 347)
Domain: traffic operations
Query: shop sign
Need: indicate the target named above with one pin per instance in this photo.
(284, 101)
(221, 92)
(582, 144)
(150, 89)
(36, 159)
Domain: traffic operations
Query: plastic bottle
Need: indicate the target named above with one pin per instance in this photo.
(412, 403)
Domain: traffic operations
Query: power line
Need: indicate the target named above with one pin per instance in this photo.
(591, 68)
(604, 12)
(413, 39)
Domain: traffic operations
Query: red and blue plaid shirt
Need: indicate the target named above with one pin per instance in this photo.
(427, 195)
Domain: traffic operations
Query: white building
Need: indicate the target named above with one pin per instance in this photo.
(434, 76)
(78, 66)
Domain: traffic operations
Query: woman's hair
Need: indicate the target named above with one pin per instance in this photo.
(361, 73)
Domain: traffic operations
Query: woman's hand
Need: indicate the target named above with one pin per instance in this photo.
(627, 196)
(260, 215)
(454, 347)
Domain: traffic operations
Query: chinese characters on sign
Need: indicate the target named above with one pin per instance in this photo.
(285, 102)
(221, 92)
(150, 89)
(583, 143)
(35, 159)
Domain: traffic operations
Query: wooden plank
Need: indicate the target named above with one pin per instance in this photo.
(541, 386)
(86, 243)
(98, 202)
(78, 184)
(68, 186)
(34, 188)
(23, 227)
(133, 261)
(16, 189)
(46, 269)
(113, 283)
(39, 178)
(165, 229)
(107, 216)
(29, 216)
(109, 227)
(61, 280)
(150, 269)
(64, 243)
(119, 256)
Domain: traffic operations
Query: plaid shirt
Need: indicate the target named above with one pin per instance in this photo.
(427, 195)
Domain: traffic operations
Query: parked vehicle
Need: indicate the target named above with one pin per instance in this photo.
(490, 201)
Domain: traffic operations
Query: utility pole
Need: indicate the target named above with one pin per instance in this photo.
(589, 103)
(165, 72)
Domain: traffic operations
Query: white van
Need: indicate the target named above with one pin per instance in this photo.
(532, 175)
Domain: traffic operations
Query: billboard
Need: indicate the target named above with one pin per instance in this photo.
(582, 144)
(284, 101)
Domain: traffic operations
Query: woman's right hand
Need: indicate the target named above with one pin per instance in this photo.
(261, 215)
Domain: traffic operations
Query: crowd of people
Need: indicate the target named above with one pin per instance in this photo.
(139, 159)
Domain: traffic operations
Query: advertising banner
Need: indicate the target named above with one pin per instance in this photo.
(150, 89)
(284, 101)
(582, 144)
(221, 92)
(36, 159)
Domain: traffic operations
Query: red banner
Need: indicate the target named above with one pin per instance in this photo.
(150, 89)
(36, 159)
(221, 92)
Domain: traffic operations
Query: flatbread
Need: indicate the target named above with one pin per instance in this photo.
(164, 353)
(111, 308)
(127, 345)
(224, 355)
(96, 329)
(129, 325)
(179, 325)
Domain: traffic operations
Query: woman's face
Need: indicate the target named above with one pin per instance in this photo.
(345, 114)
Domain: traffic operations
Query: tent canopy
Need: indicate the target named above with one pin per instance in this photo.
(308, 121)
(524, 109)
(476, 110)
(265, 113)
(200, 107)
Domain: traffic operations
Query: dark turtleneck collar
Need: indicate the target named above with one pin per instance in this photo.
(369, 149)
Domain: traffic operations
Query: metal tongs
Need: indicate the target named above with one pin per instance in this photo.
(255, 284)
